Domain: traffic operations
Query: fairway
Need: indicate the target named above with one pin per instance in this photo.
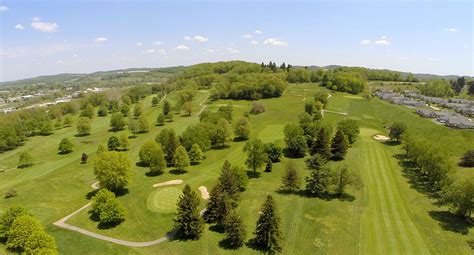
(163, 200)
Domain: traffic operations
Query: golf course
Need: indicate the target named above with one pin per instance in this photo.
(385, 214)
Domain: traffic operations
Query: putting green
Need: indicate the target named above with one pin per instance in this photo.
(163, 200)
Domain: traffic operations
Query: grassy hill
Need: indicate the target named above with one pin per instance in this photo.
(387, 215)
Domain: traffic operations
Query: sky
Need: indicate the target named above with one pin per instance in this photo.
(51, 37)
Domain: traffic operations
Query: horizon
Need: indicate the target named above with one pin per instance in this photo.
(50, 38)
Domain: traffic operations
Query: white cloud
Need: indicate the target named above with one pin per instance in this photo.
(100, 39)
(466, 46)
(59, 62)
(48, 27)
(253, 42)
(75, 55)
(158, 43)
(384, 40)
(3, 8)
(149, 51)
(139, 44)
(232, 51)
(451, 29)
(182, 47)
(432, 59)
(196, 38)
(275, 42)
(247, 36)
(162, 51)
(211, 50)
(19, 27)
(258, 32)
(365, 42)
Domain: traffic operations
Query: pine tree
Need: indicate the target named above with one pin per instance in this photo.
(235, 229)
(229, 181)
(290, 181)
(318, 182)
(268, 166)
(322, 145)
(166, 108)
(267, 232)
(339, 146)
(316, 161)
(188, 223)
(218, 206)
(154, 101)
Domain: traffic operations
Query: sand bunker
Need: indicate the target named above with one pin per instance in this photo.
(204, 193)
(173, 182)
(95, 185)
(381, 138)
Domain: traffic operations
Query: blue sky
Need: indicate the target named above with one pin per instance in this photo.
(50, 37)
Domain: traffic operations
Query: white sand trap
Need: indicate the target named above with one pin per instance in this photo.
(436, 108)
(204, 193)
(381, 138)
(172, 182)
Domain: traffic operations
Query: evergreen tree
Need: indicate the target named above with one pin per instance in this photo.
(267, 232)
(181, 158)
(188, 223)
(154, 101)
(166, 108)
(268, 166)
(273, 152)
(290, 181)
(468, 159)
(235, 229)
(339, 146)
(65, 146)
(316, 161)
(319, 181)
(322, 144)
(218, 206)
(160, 120)
(195, 154)
(84, 158)
(230, 181)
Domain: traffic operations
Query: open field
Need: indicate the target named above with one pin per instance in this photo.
(386, 216)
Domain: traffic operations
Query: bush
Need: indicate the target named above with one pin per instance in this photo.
(257, 107)
(107, 208)
(10, 193)
(468, 159)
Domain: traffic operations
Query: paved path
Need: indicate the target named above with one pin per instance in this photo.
(203, 105)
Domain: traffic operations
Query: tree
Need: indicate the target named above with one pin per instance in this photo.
(154, 101)
(470, 89)
(65, 146)
(113, 170)
(25, 159)
(113, 143)
(148, 149)
(267, 232)
(21, 231)
(188, 223)
(396, 130)
(200, 134)
(195, 154)
(316, 161)
(242, 130)
(460, 197)
(133, 126)
(319, 181)
(142, 124)
(322, 145)
(88, 111)
(7, 219)
(83, 126)
(468, 159)
(166, 108)
(103, 110)
(169, 143)
(257, 107)
(339, 145)
(188, 108)
(160, 120)
(100, 149)
(309, 108)
(181, 158)
(123, 139)
(268, 166)
(273, 152)
(218, 206)
(290, 182)
(125, 109)
(230, 181)
(40, 243)
(224, 132)
(107, 208)
(295, 140)
(138, 110)
(67, 121)
(341, 178)
(256, 155)
(350, 128)
(157, 162)
(84, 158)
(117, 122)
(235, 229)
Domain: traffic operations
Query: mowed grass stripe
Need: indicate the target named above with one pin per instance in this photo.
(400, 230)
(373, 234)
(414, 236)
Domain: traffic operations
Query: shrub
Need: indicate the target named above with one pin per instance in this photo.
(10, 193)
(257, 107)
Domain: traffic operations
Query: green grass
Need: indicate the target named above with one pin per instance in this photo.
(387, 215)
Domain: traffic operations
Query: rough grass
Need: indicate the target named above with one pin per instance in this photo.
(387, 215)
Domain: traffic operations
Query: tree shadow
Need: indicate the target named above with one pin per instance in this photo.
(253, 175)
(195, 163)
(24, 166)
(91, 194)
(64, 152)
(290, 154)
(391, 143)
(225, 244)
(240, 139)
(327, 197)
(220, 147)
(81, 135)
(132, 136)
(153, 173)
(217, 228)
(109, 225)
(141, 164)
(177, 172)
(471, 243)
(121, 192)
(451, 222)
(114, 130)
